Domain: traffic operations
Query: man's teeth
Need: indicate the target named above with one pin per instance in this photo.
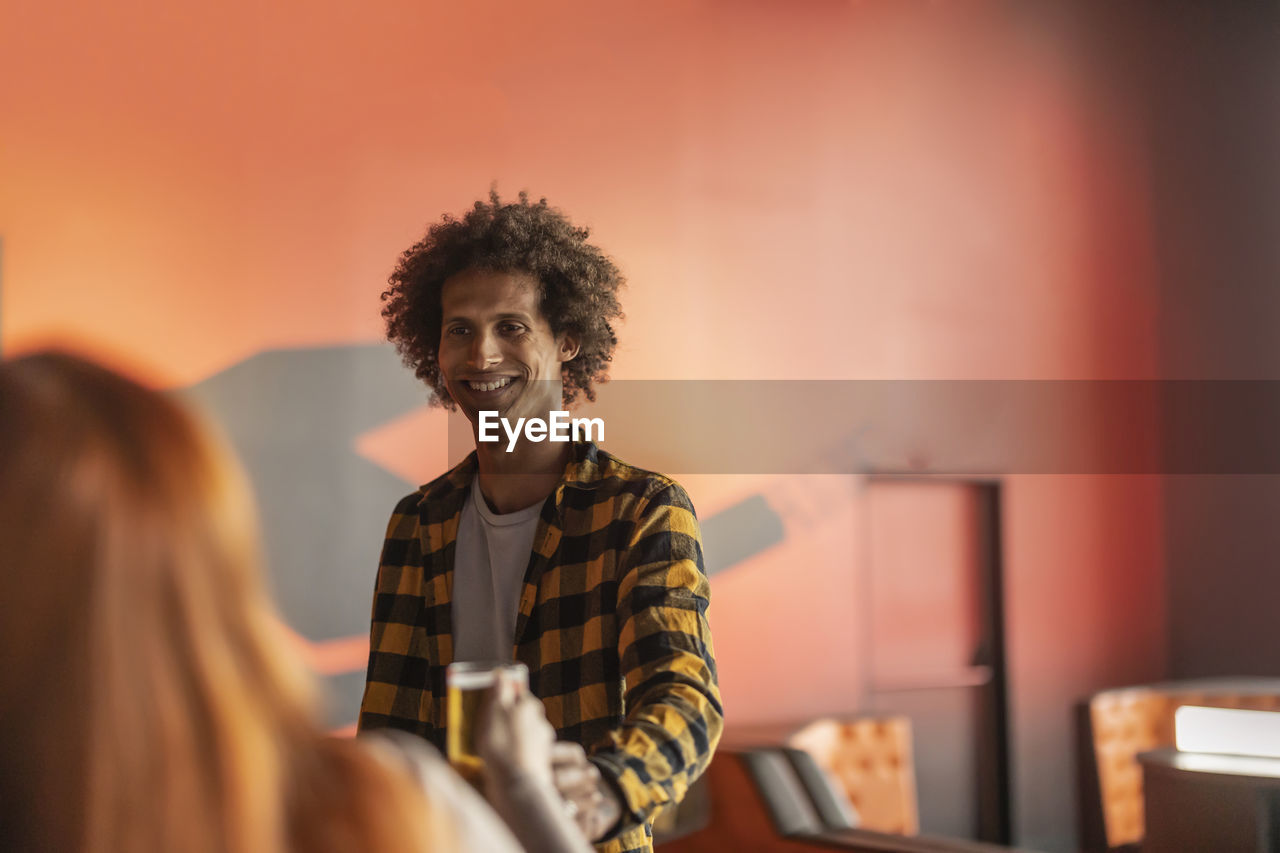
(490, 386)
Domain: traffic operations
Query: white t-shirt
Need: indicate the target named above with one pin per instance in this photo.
(491, 556)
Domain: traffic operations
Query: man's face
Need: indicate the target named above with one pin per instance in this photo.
(497, 351)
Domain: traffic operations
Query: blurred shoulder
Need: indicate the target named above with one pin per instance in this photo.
(476, 825)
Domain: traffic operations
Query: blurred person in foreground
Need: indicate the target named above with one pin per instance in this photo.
(148, 701)
(558, 554)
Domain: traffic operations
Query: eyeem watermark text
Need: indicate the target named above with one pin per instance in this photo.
(560, 427)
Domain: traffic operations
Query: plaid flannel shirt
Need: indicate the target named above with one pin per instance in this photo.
(612, 626)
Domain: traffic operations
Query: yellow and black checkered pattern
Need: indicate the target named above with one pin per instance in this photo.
(612, 625)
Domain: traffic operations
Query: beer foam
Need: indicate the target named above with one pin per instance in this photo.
(474, 680)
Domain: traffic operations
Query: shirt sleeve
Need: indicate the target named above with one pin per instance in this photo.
(395, 676)
(474, 824)
(673, 713)
(535, 814)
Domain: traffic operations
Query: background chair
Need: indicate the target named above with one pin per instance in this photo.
(761, 801)
(870, 759)
(1116, 725)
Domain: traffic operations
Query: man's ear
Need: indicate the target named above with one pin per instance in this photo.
(569, 347)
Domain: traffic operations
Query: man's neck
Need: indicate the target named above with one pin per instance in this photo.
(512, 481)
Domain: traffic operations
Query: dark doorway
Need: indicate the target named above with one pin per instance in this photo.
(937, 650)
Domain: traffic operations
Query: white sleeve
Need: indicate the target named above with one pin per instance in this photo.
(476, 825)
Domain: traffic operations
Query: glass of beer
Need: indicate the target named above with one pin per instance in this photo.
(472, 684)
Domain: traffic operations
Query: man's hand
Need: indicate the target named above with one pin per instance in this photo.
(589, 798)
(515, 738)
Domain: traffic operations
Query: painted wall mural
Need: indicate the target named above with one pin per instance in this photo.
(299, 420)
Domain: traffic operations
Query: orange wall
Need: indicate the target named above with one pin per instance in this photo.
(818, 190)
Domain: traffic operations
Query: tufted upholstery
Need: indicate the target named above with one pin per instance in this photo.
(1126, 721)
(870, 759)
(758, 803)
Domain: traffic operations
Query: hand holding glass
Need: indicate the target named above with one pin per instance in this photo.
(472, 684)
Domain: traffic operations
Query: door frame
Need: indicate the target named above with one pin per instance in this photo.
(993, 782)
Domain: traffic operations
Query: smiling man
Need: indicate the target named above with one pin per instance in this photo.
(555, 554)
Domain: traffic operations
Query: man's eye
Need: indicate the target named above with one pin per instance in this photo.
(457, 330)
(512, 328)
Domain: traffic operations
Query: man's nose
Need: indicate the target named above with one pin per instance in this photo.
(484, 352)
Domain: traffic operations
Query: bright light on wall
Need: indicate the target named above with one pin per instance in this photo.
(1227, 730)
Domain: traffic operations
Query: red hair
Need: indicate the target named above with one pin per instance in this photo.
(148, 697)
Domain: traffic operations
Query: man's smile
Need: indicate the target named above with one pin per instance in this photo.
(496, 383)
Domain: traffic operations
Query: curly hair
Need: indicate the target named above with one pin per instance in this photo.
(578, 286)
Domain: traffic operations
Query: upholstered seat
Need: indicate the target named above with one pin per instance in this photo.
(1121, 723)
(870, 759)
(765, 801)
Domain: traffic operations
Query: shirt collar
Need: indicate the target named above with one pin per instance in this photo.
(581, 472)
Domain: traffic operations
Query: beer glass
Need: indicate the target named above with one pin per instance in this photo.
(472, 685)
